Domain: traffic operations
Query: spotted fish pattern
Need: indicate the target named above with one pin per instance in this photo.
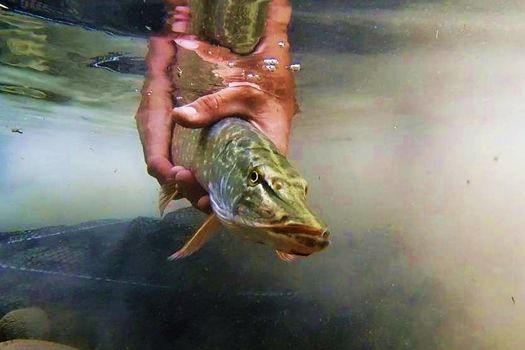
(253, 188)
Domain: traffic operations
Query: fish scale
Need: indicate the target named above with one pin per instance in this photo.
(270, 208)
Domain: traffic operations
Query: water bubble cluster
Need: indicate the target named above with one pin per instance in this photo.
(271, 61)
(271, 64)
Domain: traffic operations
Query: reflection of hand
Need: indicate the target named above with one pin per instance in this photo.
(255, 87)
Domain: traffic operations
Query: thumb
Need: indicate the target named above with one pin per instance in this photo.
(211, 108)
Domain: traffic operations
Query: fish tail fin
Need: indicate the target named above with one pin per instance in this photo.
(168, 192)
(203, 234)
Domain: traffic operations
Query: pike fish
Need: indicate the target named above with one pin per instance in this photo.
(254, 190)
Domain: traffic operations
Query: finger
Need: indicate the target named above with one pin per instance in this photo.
(203, 204)
(211, 108)
(161, 52)
(176, 169)
(156, 91)
(190, 187)
(278, 18)
(206, 51)
(183, 9)
(153, 116)
(173, 174)
(275, 39)
(155, 130)
(181, 19)
(160, 168)
(267, 114)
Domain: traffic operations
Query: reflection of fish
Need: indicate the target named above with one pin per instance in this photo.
(67, 252)
(120, 63)
(106, 255)
(253, 189)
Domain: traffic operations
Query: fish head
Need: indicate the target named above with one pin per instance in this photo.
(269, 205)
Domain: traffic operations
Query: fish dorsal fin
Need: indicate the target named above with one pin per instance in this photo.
(168, 192)
(286, 256)
(203, 234)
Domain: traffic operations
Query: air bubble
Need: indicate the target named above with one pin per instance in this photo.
(271, 61)
(296, 67)
(271, 64)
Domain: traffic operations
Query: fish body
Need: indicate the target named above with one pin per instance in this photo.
(254, 190)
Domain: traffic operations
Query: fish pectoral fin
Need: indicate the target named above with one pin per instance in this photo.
(203, 234)
(168, 192)
(286, 256)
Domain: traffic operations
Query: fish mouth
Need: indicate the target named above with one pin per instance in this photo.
(307, 239)
(296, 239)
(303, 230)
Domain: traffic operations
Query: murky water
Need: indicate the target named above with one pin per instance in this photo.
(410, 137)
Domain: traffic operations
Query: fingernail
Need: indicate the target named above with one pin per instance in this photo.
(187, 44)
(187, 110)
(180, 27)
(176, 169)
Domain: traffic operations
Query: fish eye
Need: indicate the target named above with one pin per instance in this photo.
(254, 177)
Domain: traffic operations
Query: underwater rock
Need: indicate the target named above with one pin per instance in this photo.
(107, 285)
(26, 344)
(28, 323)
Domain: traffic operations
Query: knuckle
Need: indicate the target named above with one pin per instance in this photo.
(152, 166)
(139, 116)
(210, 103)
(252, 93)
(252, 98)
(150, 169)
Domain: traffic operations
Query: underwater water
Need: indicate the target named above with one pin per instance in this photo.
(410, 135)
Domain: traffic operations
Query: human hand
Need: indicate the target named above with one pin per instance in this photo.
(155, 125)
(265, 95)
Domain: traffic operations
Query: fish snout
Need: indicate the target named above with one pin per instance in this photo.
(308, 244)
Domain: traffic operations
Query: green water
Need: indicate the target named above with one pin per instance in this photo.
(410, 136)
